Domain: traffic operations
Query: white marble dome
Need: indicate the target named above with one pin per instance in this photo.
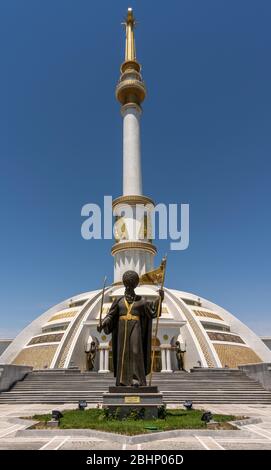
(209, 335)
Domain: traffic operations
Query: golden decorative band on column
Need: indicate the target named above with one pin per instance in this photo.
(121, 246)
(132, 200)
(130, 90)
(131, 65)
(129, 106)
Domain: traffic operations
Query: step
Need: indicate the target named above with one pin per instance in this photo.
(201, 386)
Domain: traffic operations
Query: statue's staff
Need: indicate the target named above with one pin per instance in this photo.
(159, 311)
(102, 303)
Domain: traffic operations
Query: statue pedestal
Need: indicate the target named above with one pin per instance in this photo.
(127, 399)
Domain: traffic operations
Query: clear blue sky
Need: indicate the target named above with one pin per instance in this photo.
(205, 141)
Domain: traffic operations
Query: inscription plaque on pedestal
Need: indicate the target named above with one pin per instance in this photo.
(131, 399)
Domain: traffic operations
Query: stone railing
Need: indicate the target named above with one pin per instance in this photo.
(260, 372)
(10, 374)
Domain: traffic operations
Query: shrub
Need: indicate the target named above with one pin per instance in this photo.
(162, 412)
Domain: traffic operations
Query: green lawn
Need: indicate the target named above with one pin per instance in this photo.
(94, 419)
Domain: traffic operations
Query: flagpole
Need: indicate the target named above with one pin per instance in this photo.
(159, 310)
(102, 302)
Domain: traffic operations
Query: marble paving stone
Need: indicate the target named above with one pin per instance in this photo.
(4, 425)
(247, 446)
(132, 447)
(13, 445)
(170, 444)
(91, 445)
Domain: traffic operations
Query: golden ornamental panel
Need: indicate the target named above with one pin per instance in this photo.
(37, 357)
(215, 336)
(233, 355)
(201, 313)
(50, 338)
(62, 315)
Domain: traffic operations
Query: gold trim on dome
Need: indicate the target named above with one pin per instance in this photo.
(132, 199)
(121, 246)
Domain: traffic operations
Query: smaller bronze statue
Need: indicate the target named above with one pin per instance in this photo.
(130, 322)
(91, 354)
(179, 355)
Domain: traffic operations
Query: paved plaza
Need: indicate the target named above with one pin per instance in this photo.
(253, 436)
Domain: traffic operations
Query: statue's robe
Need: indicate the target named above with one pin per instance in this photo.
(131, 339)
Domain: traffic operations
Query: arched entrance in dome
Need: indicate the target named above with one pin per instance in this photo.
(157, 355)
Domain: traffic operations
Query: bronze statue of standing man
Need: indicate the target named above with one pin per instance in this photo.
(130, 322)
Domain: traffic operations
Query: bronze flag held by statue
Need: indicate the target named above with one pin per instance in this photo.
(162, 273)
(155, 276)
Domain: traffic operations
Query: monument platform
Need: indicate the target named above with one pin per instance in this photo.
(145, 400)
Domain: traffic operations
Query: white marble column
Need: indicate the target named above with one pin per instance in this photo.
(132, 179)
(106, 360)
(163, 360)
(165, 357)
(101, 360)
(168, 353)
